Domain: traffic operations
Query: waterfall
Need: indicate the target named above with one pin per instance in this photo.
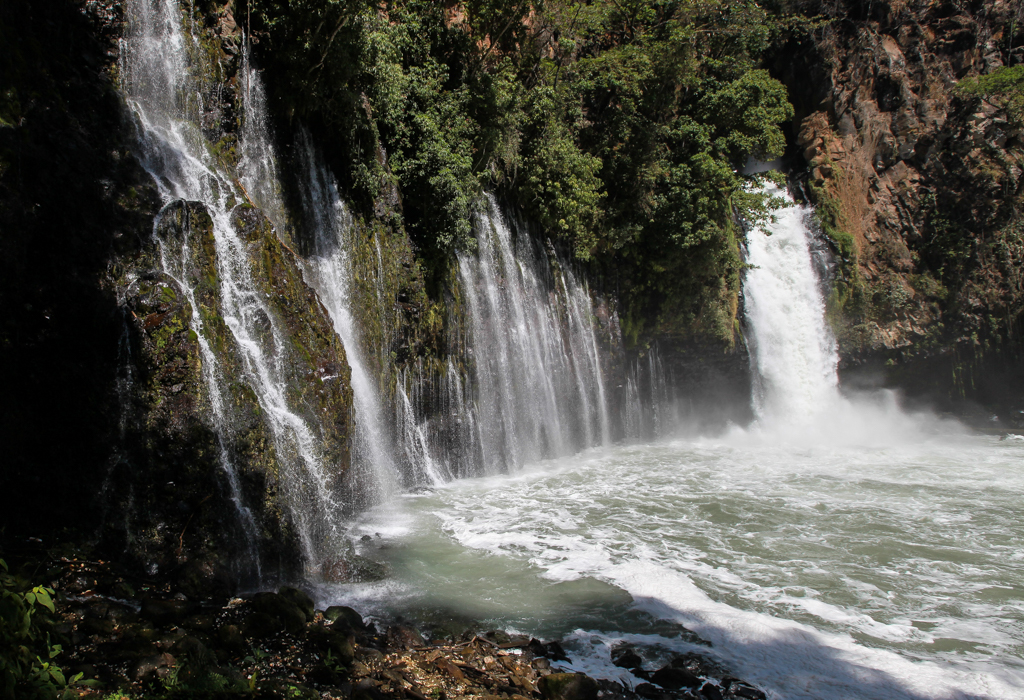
(257, 165)
(539, 390)
(523, 382)
(161, 65)
(793, 353)
(647, 408)
(329, 271)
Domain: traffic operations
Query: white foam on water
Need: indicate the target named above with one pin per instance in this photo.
(885, 572)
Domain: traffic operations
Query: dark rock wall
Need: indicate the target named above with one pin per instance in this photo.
(71, 198)
(107, 421)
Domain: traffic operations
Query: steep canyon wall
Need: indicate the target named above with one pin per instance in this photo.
(919, 187)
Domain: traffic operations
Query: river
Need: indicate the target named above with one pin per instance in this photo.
(814, 570)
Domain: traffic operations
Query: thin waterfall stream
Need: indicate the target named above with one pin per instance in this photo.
(328, 270)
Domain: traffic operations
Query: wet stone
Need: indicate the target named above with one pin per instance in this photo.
(157, 666)
(300, 599)
(626, 657)
(281, 608)
(260, 625)
(165, 612)
(345, 617)
(675, 678)
(404, 637)
(741, 690)
(568, 686)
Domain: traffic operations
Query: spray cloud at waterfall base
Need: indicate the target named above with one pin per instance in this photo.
(796, 394)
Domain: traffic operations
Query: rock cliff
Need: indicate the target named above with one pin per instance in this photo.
(919, 188)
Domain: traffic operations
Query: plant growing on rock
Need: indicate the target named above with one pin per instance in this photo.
(27, 666)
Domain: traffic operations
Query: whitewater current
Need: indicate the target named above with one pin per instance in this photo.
(820, 572)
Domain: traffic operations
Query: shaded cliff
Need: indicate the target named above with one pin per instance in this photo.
(131, 411)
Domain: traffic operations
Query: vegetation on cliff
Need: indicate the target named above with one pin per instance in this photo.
(618, 127)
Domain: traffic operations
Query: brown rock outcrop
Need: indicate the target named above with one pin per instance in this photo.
(918, 187)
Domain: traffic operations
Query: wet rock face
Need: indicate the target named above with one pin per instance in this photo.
(568, 686)
(920, 188)
(318, 374)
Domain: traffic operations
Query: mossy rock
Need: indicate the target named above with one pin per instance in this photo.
(301, 600)
(568, 686)
(282, 609)
(345, 617)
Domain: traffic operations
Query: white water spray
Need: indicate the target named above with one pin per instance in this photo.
(329, 271)
(539, 389)
(793, 354)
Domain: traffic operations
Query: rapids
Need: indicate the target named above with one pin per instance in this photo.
(816, 571)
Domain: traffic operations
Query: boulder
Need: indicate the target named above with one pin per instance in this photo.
(711, 692)
(675, 678)
(345, 616)
(551, 650)
(404, 637)
(568, 686)
(341, 646)
(301, 600)
(231, 639)
(652, 692)
(626, 657)
(165, 612)
(736, 689)
(259, 625)
(281, 608)
(154, 667)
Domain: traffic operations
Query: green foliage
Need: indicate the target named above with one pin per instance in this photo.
(560, 186)
(27, 666)
(832, 225)
(950, 249)
(619, 126)
(1005, 84)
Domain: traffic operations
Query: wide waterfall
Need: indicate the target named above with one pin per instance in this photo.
(872, 562)
(793, 353)
(161, 65)
(539, 389)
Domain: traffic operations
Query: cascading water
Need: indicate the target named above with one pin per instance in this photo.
(329, 270)
(647, 409)
(539, 391)
(793, 354)
(158, 71)
(257, 166)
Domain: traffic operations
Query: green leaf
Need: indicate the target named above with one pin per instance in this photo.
(43, 596)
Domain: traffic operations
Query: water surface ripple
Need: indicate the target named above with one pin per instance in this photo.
(816, 571)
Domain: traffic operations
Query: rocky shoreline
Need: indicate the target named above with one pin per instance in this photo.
(131, 636)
